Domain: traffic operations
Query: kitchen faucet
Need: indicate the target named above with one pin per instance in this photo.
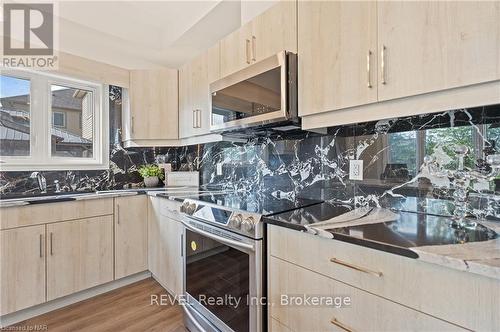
(42, 183)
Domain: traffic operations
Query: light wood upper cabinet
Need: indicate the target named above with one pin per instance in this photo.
(436, 45)
(273, 31)
(22, 268)
(152, 114)
(338, 54)
(235, 50)
(79, 255)
(131, 235)
(165, 247)
(194, 95)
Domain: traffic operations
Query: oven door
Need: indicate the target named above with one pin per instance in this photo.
(260, 94)
(222, 278)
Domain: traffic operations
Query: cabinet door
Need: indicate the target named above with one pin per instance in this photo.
(165, 248)
(274, 30)
(153, 105)
(436, 45)
(79, 255)
(194, 81)
(131, 235)
(338, 60)
(335, 306)
(186, 105)
(235, 50)
(22, 268)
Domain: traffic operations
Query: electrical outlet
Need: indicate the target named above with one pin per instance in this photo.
(219, 169)
(355, 169)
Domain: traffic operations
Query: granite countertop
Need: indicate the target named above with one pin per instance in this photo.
(419, 236)
(64, 197)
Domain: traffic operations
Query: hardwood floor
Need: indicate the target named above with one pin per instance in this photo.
(124, 309)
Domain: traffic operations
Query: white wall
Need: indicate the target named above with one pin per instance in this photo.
(252, 8)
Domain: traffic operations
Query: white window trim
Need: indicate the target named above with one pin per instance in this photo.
(40, 158)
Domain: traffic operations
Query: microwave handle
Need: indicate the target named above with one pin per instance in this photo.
(218, 238)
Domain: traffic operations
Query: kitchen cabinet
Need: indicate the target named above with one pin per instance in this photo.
(354, 309)
(338, 55)
(36, 214)
(428, 288)
(131, 235)
(79, 255)
(363, 60)
(165, 245)
(427, 46)
(151, 117)
(194, 93)
(273, 31)
(22, 268)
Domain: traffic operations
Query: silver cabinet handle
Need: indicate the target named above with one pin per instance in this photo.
(382, 64)
(344, 327)
(132, 124)
(194, 118)
(41, 245)
(369, 81)
(51, 246)
(355, 267)
(199, 118)
(247, 50)
(118, 214)
(254, 48)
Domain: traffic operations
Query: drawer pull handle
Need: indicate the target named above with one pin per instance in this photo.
(355, 267)
(41, 246)
(51, 245)
(335, 322)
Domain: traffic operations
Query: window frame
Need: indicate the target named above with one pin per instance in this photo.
(40, 158)
(63, 118)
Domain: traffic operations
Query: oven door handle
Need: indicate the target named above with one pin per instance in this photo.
(219, 238)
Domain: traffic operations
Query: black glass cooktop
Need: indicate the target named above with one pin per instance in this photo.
(401, 231)
(257, 203)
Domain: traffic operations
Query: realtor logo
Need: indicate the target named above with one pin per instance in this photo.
(28, 35)
(32, 25)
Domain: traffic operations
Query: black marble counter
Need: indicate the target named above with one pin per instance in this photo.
(390, 230)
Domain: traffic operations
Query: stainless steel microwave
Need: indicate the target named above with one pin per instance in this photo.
(261, 95)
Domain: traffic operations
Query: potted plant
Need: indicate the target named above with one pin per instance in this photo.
(151, 174)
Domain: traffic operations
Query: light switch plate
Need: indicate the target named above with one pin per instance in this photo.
(355, 169)
(219, 169)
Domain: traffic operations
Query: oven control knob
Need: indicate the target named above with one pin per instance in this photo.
(190, 208)
(237, 219)
(184, 207)
(248, 224)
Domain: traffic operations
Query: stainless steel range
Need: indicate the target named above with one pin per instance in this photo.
(224, 264)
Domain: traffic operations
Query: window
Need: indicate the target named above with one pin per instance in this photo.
(58, 119)
(51, 122)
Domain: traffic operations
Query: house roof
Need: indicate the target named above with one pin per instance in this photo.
(13, 129)
(60, 99)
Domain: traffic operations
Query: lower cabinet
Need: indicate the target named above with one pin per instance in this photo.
(131, 235)
(165, 246)
(79, 255)
(22, 268)
(304, 300)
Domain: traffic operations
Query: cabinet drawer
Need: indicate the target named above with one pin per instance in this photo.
(170, 209)
(442, 292)
(365, 312)
(27, 215)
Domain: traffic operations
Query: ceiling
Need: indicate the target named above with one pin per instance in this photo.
(144, 34)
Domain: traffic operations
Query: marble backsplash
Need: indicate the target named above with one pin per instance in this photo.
(312, 165)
